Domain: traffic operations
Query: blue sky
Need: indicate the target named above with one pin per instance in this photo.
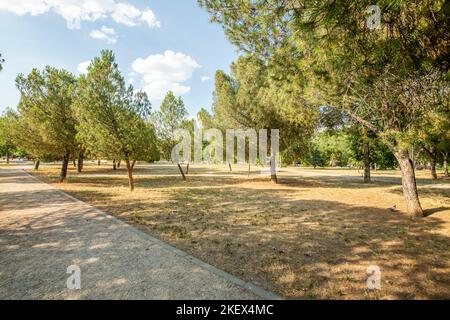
(159, 44)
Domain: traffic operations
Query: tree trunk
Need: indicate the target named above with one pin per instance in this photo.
(433, 156)
(366, 163)
(74, 163)
(36, 164)
(99, 162)
(273, 170)
(229, 166)
(445, 154)
(130, 173)
(118, 164)
(114, 164)
(7, 158)
(80, 162)
(433, 168)
(187, 168)
(65, 164)
(249, 169)
(181, 171)
(409, 183)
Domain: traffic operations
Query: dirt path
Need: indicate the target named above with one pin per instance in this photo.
(43, 231)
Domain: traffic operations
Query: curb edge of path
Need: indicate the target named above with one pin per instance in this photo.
(246, 285)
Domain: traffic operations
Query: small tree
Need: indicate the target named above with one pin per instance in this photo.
(112, 117)
(27, 138)
(46, 109)
(7, 145)
(170, 117)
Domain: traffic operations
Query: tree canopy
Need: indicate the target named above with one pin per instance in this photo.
(46, 111)
(7, 141)
(172, 115)
(252, 97)
(337, 60)
(112, 118)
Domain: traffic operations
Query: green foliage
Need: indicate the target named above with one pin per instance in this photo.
(112, 117)
(225, 108)
(344, 147)
(334, 147)
(25, 134)
(382, 78)
(7, 144)
(368, 73)
(296, 150)
(314, 157)
(252, 97)
(434, 133)
(206, 119)
(45, 124)
(171, 116)
(380, 154)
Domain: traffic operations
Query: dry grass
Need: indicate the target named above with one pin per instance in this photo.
(311, 236)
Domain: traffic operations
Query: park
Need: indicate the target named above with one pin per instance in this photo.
(322, 156)
(311, 235)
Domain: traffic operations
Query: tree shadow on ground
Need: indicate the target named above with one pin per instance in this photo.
(353, 182)
(429, 191)
(301, 248)
(298, 248)
(37, 249)
(429, 212)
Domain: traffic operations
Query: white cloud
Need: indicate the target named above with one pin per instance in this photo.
(163, 72)
(104, 33)
(82, 68)
(156, 90)
(205, 78)
(126, 14)
(21, 7)
(75, 11)
(149, 17)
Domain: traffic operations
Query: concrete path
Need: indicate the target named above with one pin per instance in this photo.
(43, 231)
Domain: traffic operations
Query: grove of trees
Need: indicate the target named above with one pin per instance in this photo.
(392, 79)
(112, 118)
(62, 117)
(341, 91)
